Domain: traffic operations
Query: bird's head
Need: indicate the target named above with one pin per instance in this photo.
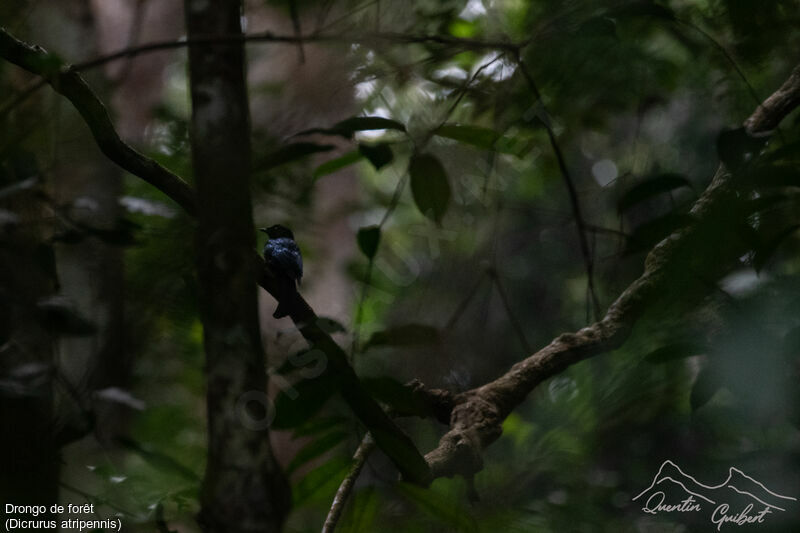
(277, 231)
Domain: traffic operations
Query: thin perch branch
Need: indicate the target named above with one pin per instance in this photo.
(388, 436)
(477, 417)
(340, 500)
(577, 212)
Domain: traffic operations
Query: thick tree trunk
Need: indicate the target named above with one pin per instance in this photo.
(243, 489)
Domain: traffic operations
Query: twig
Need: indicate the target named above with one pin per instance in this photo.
(269, 37)
(464, 303)
(337, 507)
(477, 417)
(510, 312)
(94, 113)
(389, 437)
(573, 192)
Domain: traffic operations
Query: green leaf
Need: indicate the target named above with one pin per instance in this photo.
(319, 425)
(429, 186)
(297, 405)
(462, 28)
(379, 155)
(404, 335)
(649, 188)
(157, 459)
(323, 478)
(474, 135)
(291, 152)
(705, 387)
(452, 515)
(674, 351)
(368, 239)
(363, 512)
(346, 128)
(316, 448)
(329, 167)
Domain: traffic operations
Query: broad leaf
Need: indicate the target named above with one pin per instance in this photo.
(649, 188)
(475, 135)
(346, 128)
(379, 155)
(295, 406)
(429, 186)
(329, 167)
(316, 448)
(368, 239)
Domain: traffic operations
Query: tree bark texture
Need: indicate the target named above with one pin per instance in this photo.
(243, 489)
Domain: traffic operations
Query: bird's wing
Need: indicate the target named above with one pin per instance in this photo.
(285, 254)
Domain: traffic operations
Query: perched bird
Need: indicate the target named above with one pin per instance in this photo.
(283, 258)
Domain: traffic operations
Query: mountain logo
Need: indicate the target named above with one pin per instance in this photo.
(739, 500)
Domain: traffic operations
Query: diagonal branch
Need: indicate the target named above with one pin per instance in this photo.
(69, 83)
(476, 419)
(388, 436)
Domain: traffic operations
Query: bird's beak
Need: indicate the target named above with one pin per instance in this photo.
(262, 229)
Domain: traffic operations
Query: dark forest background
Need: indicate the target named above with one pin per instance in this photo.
(523, 159)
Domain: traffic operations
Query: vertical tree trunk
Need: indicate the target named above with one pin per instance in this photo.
(243, 489)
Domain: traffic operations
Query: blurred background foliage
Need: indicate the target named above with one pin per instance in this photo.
(459, 253)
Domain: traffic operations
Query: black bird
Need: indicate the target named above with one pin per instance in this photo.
(283, 258)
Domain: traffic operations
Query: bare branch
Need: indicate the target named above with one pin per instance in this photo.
(346, 487)
(477, 417)
(390, 438)
(577, 212)
(68, 83)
